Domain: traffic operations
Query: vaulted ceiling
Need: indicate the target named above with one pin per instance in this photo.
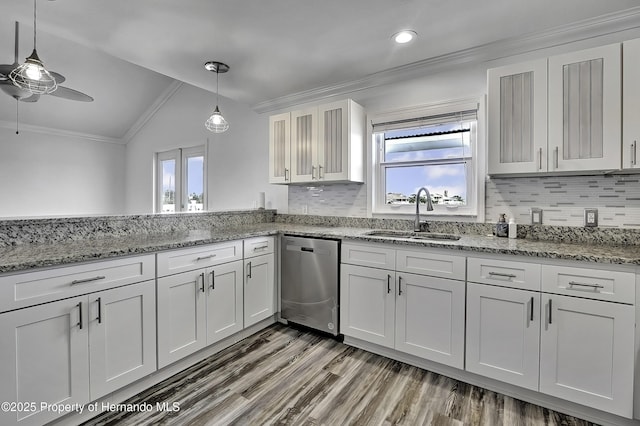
(126, 53)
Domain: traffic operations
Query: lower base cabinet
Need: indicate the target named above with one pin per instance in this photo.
(416, 314)
(503, 334)
(198, 308)
(259, 289)
(586, 352)
(75, 350)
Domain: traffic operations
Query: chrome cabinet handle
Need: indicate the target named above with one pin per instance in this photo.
(202, 282)
(320, 172)
(633, 153)
(213, 279)
(249, 269)
(88, 280)
(79, 305)
(199, 258)
(399, 286)
(285, 174)
(596, 286)
(540, 159)
(260, 248)
(499, 274)
(556, 157)
(550, 311)
(531, 317)
(388, 283)
(313, 172)
(99, 300)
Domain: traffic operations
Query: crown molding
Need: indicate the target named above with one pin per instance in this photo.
(152, 110)
(574, 32)
(60, 132)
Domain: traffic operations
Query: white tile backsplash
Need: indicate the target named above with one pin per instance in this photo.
(562, 199)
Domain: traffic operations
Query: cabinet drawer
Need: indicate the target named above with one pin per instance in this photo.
(369, 255)
(504, 273)
(176, 261)
(31, 288)
(258, 246)
(612, 286)
(435, 265)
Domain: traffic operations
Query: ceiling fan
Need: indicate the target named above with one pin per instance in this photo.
(19, 94)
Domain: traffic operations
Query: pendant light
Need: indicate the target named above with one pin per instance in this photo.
(32, 75)
(216, 123)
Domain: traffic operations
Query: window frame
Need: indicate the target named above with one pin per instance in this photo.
(474, 209)
(181, 157)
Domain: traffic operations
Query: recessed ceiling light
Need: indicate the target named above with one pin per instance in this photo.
(404, 36)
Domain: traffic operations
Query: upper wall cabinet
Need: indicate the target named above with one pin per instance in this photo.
(631, 104)
(319, 144)
(560, 115)
(518, 118)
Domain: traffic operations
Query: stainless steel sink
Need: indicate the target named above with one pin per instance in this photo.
(412, 235)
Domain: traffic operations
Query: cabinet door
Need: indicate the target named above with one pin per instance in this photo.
(333, 141)
(586, 353)
(503, 334)
(45, 359)
(259, 289)
(181, 316)
(122, 336)
(630, 104)
(367, 304)
(585, 110)
(430, 318)
(279, 148)
(224, 301)
(304, 139)
(517, 104)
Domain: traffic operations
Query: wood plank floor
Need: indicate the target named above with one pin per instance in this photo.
(287, 376)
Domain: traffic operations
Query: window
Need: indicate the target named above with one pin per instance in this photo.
(181, 180)
(427, 148)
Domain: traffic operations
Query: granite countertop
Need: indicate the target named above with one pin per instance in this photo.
(27, 256)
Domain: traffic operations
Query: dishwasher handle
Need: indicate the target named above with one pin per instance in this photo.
(309, 249)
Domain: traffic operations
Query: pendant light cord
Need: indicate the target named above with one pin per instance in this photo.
(217, 78)
(34, 24)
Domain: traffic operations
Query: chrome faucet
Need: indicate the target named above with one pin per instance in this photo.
(416, 225)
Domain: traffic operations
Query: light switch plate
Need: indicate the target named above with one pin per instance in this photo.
(536, 216)
(590, 218)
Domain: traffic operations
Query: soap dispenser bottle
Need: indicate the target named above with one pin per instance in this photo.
(513, 230)
(502, 227)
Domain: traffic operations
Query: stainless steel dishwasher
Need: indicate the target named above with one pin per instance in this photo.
(309, 282)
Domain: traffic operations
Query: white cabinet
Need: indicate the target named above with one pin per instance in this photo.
(122, 336)
(318, 144)
(259, 289)
(422, 315)
(76, 350)
(198, 308)
(630, 104)
(45, 358)
(367, 301)
(586, 352)
(503, 334)
(585, 109)
(430, 318)
(517, 124)
(280, 148)
(557, 115)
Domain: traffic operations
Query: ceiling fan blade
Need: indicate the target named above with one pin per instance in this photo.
(14, 91)
(59, 78)
(32, 98)
(74, 95)
(5, 69)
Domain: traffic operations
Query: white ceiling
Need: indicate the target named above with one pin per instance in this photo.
(278, 50)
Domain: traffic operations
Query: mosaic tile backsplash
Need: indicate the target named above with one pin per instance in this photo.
(562, 199)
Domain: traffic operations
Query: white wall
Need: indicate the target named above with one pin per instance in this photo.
(238, 158)
(54, 174)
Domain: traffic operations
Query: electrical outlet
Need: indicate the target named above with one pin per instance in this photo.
(536, 216)
(590, 218)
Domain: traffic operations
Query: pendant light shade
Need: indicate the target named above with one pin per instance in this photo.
(216, 123)
(32, 75)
